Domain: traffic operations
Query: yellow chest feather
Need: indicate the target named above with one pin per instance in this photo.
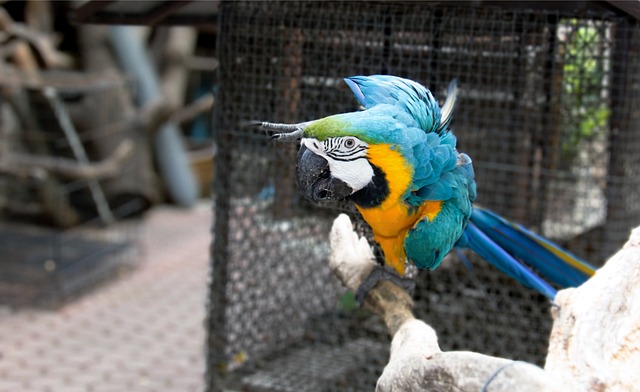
(391, 220)
(394, 218)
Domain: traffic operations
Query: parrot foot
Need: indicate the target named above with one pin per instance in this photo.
(378, 274)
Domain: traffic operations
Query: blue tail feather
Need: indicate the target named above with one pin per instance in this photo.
(480, 243)
(511, 248)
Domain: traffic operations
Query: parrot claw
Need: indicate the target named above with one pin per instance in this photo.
(377, 274)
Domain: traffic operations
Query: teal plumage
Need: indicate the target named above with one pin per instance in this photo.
(440, 173)
(418, 132)
(412, 97)
(397, 160)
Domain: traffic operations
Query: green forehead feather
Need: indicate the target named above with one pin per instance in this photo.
(332, 126)
(340, 125)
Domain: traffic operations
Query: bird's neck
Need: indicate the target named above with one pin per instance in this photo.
(391, 179)
(375, 193)
(381, 202)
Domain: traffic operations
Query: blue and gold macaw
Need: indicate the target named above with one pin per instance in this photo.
(397, 161)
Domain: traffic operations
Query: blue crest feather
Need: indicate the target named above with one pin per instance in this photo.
(414, 98)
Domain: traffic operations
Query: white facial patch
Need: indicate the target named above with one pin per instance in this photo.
(357, 174)
(347, 157)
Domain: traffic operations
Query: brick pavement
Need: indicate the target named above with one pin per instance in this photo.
(141, 332)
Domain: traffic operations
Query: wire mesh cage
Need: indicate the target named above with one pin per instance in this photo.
(545, 111)
(70, 175)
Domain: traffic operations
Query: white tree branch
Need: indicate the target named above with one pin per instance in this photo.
(595, 340)
(594, 345)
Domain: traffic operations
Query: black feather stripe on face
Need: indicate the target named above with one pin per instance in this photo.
(375, 193)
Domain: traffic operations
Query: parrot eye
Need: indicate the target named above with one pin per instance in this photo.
(349, 143)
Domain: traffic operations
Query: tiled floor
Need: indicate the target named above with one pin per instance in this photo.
(141, 332)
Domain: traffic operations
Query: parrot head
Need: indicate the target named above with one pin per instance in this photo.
(335, 158)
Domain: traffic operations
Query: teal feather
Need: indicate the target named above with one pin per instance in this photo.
(414, 98)
(425, 143)
(429, 241)
(405, 114)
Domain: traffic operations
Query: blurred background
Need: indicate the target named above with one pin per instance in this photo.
(151, 243)
(106, 165)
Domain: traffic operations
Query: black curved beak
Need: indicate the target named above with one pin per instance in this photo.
(314, 179)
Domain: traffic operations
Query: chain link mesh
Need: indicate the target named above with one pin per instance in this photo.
(545, 110)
